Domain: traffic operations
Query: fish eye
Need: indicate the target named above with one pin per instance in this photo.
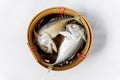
(73, 26)
(44, 48)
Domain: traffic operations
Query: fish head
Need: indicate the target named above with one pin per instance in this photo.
(75, 31)
(73, 28)
(46, 44)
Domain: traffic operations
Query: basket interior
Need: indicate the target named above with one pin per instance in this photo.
(45, 57)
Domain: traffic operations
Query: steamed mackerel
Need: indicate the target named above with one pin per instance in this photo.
(74, 39)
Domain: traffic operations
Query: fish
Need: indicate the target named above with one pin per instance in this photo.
(74, 38)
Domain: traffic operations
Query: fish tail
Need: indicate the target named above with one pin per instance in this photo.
(50, 67)
(36, 34)
(77, 19)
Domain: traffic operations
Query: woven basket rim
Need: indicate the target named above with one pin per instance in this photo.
(67, 11)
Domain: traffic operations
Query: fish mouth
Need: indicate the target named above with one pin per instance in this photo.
(46, 59)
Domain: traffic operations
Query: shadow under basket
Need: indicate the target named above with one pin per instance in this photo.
(41, 19)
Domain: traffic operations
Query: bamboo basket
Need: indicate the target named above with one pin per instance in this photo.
(60, 10)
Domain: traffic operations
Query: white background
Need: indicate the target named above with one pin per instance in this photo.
(17, 62)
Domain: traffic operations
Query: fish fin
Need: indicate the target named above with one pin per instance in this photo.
(36, 34)
(65, 33)
(53, 46)
(83, 35)
(50, 51)
(84, 38)
(50, 67)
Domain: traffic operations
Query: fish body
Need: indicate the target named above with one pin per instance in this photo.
(68, 49)
(54, 27)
